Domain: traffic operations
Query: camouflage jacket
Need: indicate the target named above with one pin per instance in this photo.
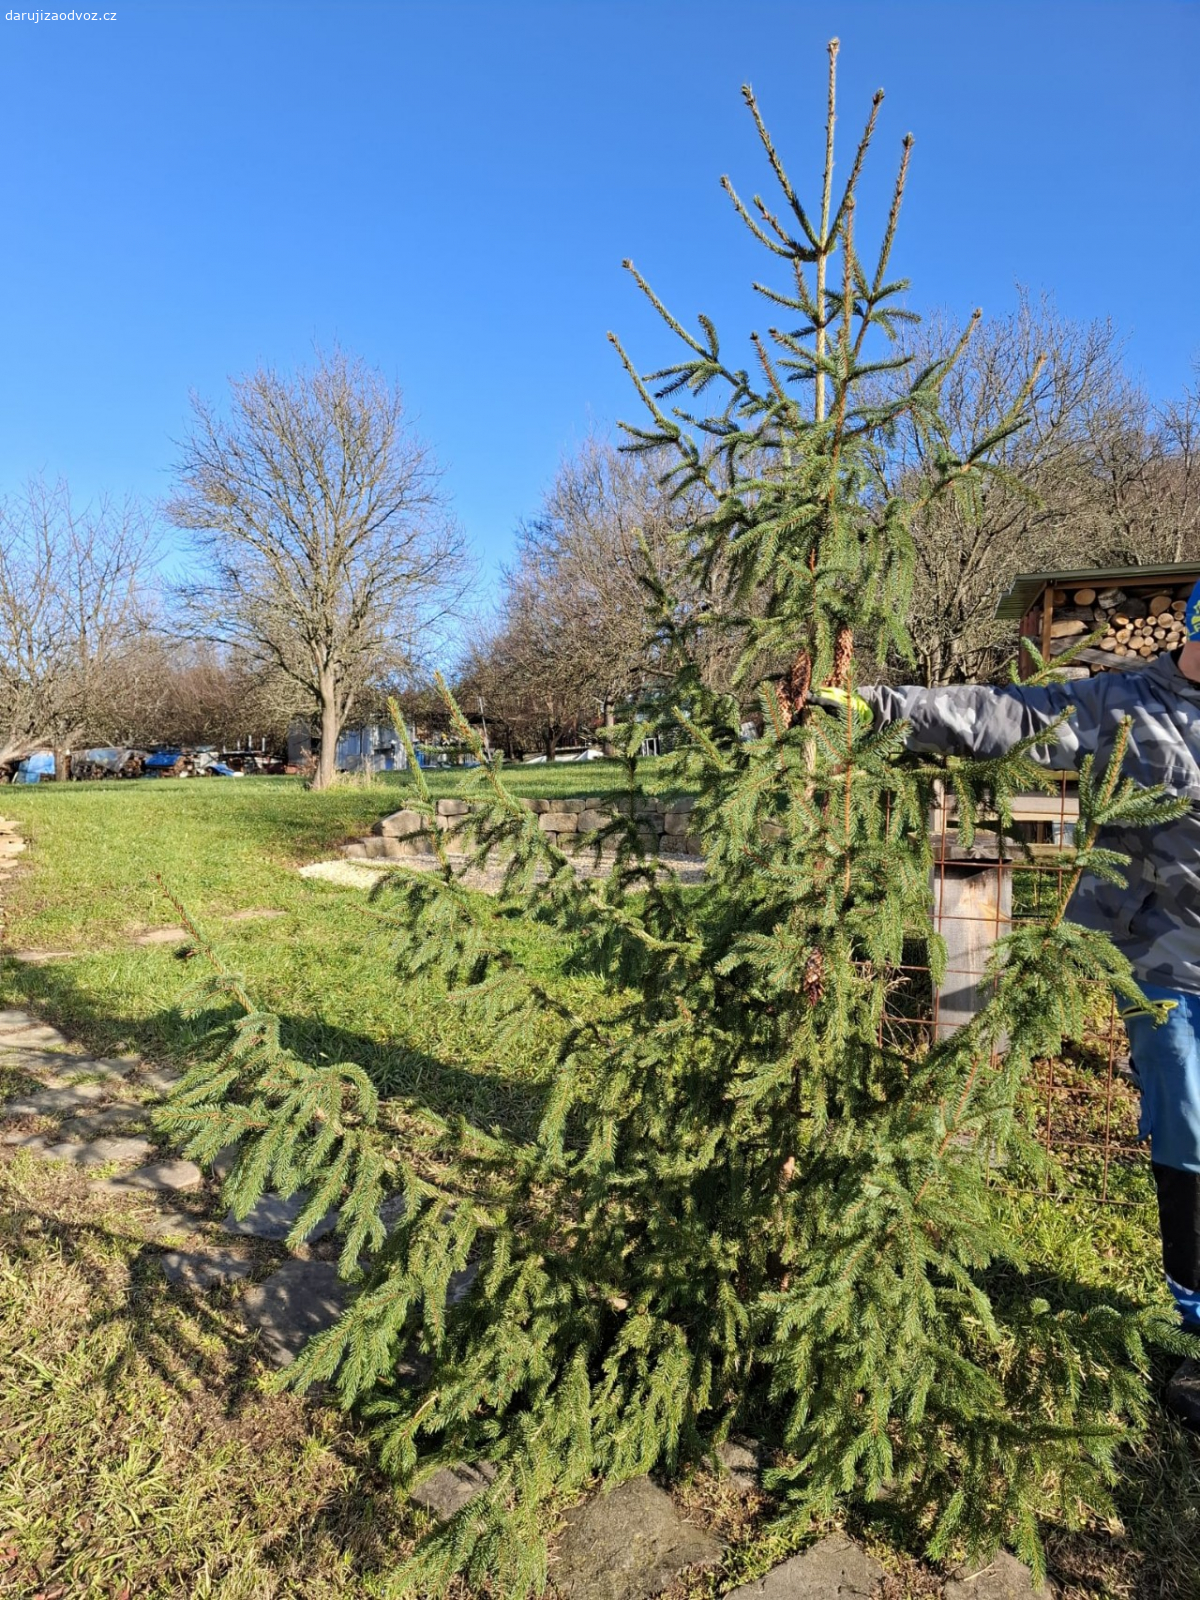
(1155, 919)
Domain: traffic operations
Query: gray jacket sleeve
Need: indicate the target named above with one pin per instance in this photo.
(985, 721)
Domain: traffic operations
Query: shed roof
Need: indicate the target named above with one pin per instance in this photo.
(1026, 586)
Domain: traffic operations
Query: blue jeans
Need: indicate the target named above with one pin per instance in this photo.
(1166, 1064)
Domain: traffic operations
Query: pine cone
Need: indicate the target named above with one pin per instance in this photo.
(814, 977)
(799, 681)
(843, 655)
(784, 701)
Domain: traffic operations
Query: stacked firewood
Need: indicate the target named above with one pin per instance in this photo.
(1133, 627)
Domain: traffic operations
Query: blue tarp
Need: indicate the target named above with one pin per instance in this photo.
(162, 758)
(220, 770)
(39, 765)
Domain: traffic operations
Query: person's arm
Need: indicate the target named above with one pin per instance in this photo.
(986, 721)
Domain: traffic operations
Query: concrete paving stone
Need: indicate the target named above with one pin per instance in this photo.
(302, 1299)
(45, 1063)
(1005, 1578)
(451, 1488)
(159, 1080)
(99, 1124)
(204, 1269)
(223, 1161)
(627, 1545)
(255, 914)
(162, 936)
(10, 1018)
(112, 1069)
(159, 1224)
(741, 1460)
(54, 1102)
(834, 1569)
(158, 1175)
(35, 1143)
(98, 1152)
(38, 1037)
(39, 958)
(274, 1217)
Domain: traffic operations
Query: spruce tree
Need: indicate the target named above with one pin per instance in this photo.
(750, 1195)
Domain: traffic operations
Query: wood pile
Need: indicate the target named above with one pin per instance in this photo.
(89, 766)
(1133, 626)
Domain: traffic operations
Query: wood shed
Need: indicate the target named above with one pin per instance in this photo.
(1136, 611)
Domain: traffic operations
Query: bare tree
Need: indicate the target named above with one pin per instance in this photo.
(72, 607)
(1045, 506)
(168, 690)
(1145, 460)
(575, 641)
(327, 551)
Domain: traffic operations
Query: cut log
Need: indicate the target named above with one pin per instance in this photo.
(1165, 617)
(1085, 597)
(1160, 602)
(1108, 643)
(1066, 629)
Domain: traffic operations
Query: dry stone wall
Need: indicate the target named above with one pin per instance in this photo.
(663, 826)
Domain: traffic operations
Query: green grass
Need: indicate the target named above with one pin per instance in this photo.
(140, 1453)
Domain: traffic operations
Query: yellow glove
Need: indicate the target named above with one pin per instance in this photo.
(838, 699)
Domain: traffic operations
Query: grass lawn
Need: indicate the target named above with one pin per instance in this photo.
(140, 1450)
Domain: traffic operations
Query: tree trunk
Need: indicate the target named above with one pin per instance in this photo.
(610, 721)
(330, 729)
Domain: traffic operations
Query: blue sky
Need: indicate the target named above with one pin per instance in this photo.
(449, 189)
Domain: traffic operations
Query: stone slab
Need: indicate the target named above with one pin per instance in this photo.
(11, 1018)
(171, 1175)
(40, 1036)
(1005, 1578)
(109, 1069)
(162, 936)
(54, 1102)
(628, 1545)
(203, 1269)
(302, 1299)
(741, 1460)
(274, 1218)
(159, 1080)
(100, 1124)
(834, 1569)
(558, 821)
(451, 1488)
(98, 1152)
(159, 1224)
(50, 1064)
(399, 822)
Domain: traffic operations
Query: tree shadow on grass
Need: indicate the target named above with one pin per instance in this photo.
(141, 1339)
(486, 1098)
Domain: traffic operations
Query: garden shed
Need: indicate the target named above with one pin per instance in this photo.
(1137, 611)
